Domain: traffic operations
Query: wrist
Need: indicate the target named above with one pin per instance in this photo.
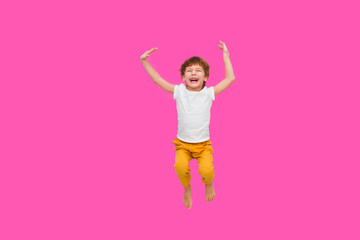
(226, 54)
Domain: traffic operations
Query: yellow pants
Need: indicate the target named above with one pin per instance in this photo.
(202, 152)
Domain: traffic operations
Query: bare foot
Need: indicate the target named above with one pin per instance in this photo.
(210, 192)
(187, 197)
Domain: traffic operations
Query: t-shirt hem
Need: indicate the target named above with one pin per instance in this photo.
(192, 141)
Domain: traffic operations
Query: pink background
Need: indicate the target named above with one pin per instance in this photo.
(86, 137)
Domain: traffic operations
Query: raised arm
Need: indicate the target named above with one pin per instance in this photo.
(153, 74)
(229, 72)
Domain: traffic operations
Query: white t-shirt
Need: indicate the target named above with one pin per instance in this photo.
(193, 110)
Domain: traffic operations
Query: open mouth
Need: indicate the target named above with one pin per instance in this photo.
(194, 80)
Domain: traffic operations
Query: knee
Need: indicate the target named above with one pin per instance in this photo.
(181, 167)
(207, 171)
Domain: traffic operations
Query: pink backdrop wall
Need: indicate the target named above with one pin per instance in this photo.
(86, 136)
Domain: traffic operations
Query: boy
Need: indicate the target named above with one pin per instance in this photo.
(193, 106)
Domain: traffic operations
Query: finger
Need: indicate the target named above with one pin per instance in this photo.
(151, 51)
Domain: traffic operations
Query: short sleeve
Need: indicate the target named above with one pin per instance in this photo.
(176, 91)
(211, 92)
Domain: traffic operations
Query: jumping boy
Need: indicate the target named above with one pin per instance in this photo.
(193, 102)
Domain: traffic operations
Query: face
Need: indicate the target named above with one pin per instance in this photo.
(194, 77)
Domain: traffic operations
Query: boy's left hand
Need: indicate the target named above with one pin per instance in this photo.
(223, 47)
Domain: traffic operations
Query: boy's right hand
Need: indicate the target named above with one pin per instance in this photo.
(147, 54)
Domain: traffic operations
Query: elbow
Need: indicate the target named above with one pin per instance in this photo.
(230, 79)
